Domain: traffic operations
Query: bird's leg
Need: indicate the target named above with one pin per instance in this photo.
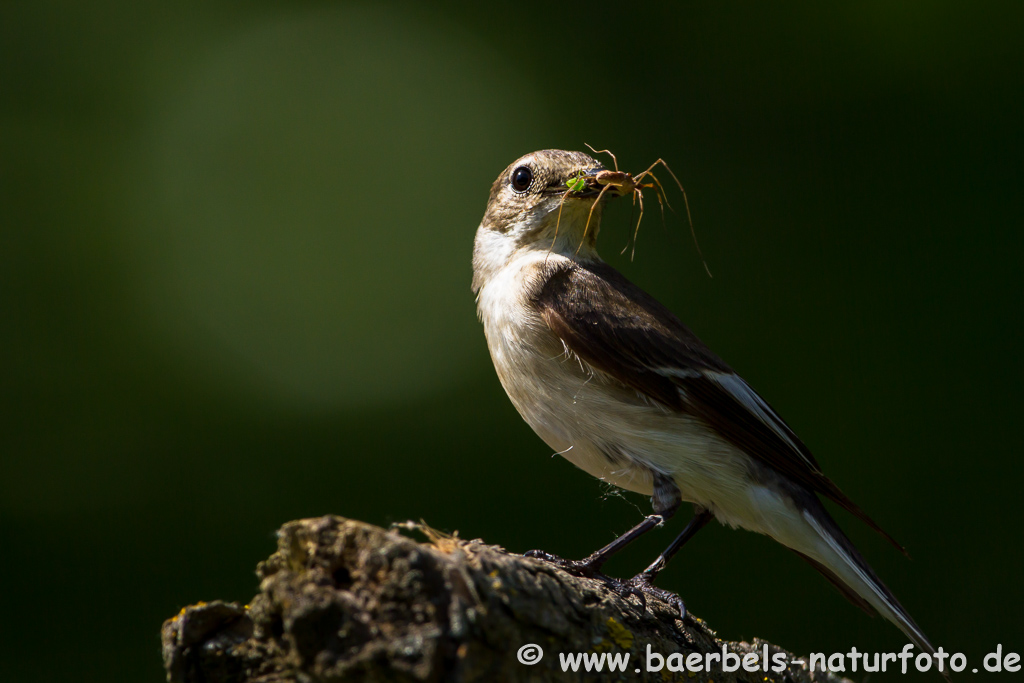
(665, 501)
(591, 565)
(644, 581)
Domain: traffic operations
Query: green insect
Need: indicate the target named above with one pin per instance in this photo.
(576, 184)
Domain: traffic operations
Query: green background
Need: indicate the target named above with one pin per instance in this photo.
(235, 268)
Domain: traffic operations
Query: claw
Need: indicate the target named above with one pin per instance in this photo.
(575, 567)
(642, 584)
(626, 589)
(630, 589)
(544, 555)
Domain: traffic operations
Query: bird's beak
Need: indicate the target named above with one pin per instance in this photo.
(585, 181)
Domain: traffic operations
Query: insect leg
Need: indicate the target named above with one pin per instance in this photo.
(558, 222)
(640, 195)
(604, 151)
(589, 215)
(689, 218)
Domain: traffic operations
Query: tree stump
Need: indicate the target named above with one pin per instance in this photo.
(342, 600)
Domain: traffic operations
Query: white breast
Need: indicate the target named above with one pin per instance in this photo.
(594, 421)
(556, 394)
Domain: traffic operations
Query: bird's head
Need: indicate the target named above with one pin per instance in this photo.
(544, 200)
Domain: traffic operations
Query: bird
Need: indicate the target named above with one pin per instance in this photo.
(613, 381)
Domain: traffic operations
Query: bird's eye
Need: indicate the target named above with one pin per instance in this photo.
(522, 178)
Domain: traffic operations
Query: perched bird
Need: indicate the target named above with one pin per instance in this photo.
(613, 381)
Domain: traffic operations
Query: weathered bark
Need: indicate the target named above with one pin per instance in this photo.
(341, 600)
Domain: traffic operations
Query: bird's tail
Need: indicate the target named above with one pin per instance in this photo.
(835, 556)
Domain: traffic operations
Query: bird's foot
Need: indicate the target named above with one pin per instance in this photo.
(641, 586)
(587, 568)
(626, 589)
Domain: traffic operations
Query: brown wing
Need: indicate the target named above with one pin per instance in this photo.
(621, 330)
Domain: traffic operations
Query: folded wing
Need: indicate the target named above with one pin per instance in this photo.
(624, 332)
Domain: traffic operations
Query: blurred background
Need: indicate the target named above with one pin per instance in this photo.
(235, 261)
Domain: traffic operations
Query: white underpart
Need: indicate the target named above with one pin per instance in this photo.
(588, 416)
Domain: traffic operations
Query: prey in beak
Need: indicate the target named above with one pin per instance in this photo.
(581, 185)
(623, 183)
(596, 182)
(578, 185)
